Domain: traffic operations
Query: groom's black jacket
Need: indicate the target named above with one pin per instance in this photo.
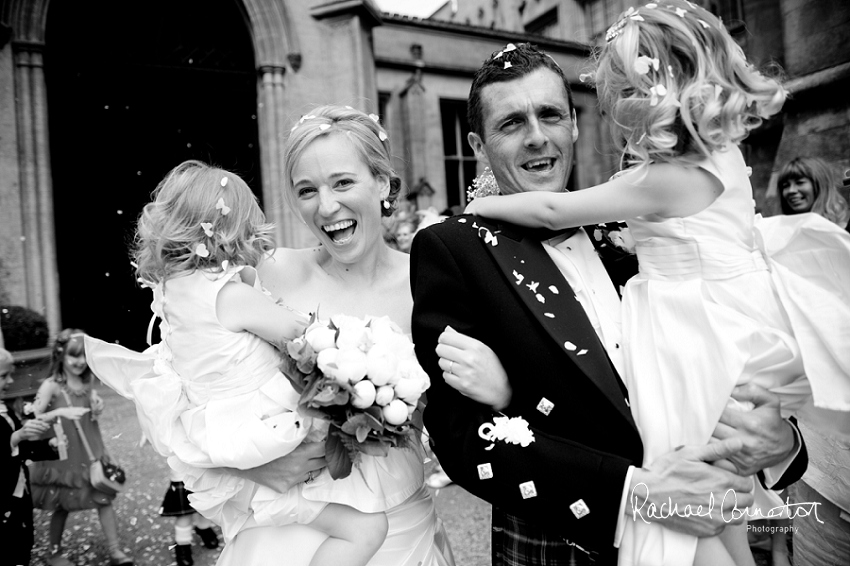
(496, 283)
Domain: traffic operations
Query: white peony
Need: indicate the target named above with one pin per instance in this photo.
(352, 332)
(364, 394)
(410, 389)
(351, 365)
(326, 360)
(384, 395)
(381, 364)
(396, 412)
(320, 337)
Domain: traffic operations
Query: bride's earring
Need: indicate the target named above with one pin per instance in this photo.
(484, 185)
(386, 204)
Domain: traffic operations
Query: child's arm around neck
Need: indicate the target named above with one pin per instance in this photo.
(241, 307)
(663, 189)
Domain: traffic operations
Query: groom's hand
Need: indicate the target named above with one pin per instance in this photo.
(683, 492)
(767, 438)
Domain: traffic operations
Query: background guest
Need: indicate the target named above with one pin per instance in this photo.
(810, 184)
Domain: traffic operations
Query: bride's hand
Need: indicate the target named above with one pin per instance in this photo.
(299, 466)
(472, 368)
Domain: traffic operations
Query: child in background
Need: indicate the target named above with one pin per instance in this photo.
(709, 310)
(210, 394)
(19, 442)
(64, 486)
(176, 504)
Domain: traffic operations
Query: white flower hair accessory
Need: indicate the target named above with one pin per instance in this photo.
(511, 430)
(658, 91)
(225, 210)
(643, 64)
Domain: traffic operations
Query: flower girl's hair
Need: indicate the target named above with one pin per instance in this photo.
(69, 342)
(676, 86)
(363, 130)
(200, 218)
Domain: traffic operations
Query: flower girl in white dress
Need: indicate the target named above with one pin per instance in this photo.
(210, 394)
(710, 308)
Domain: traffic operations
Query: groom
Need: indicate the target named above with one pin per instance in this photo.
(545, 304)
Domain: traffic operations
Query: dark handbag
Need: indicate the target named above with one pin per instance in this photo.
(103, 475)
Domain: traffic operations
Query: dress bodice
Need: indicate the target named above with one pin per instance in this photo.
(716, 243)
(194, 343)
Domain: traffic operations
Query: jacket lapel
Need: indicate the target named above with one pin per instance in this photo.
(547, 294)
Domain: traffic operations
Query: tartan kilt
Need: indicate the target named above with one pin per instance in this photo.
(516, 542)
(176, 501)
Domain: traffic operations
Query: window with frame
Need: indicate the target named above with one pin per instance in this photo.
(459, 159)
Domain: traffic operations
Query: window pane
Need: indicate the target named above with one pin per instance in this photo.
(452, 183)
(447, 115)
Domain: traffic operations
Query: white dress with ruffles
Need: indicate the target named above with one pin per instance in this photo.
(725, 298)
(209, 398)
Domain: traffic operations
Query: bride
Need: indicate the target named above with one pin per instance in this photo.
(339, 180)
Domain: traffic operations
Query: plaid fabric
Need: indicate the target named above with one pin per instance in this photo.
(176, 501)
(518, 543)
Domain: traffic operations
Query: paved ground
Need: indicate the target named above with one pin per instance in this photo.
(147, 536)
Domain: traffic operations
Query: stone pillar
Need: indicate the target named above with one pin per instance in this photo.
(36, 190)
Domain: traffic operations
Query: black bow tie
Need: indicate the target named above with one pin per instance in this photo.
(547, 234)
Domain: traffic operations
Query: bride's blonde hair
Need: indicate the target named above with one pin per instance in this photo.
(677, 87)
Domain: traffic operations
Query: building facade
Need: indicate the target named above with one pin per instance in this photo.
(99, 99)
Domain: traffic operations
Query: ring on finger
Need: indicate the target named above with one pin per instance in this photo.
(451, 365)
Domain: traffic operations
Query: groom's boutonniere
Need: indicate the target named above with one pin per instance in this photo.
(615, 235)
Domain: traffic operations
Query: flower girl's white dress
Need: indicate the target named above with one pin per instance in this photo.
(210, 398)
(724, 298)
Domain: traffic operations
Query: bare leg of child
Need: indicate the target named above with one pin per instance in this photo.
(730, 548)
(779, 541)
(712, 552)
(355, 536)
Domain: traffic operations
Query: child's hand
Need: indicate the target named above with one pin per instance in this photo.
(31, 429)
(473, 207)
(97, 404)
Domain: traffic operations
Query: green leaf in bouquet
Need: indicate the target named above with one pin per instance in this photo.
(336, 454)
(374, 422)
(312, 387)
(354, 422)
(289, 368)
(362, 433)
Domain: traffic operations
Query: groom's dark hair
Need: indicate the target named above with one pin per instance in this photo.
(524, 58)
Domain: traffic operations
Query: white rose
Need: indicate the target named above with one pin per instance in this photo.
(384, 395)
(326, 360)
(381, 364)
(320, 338)
(351, 365)
(364, 394)
(396, 412)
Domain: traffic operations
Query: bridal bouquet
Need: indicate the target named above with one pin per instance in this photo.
(362, 376)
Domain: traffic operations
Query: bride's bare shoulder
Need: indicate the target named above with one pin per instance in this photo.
(287, 264)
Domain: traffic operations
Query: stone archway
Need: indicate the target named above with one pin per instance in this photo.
(133, 90)
(35, 273)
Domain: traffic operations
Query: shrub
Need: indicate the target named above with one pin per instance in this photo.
(23, 328)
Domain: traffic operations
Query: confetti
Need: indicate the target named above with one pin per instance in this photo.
(201, 250)
(207, 227)
(224, 181)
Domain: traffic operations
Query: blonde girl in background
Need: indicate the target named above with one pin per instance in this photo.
(210, 394)
(64, 486)
(709, 309)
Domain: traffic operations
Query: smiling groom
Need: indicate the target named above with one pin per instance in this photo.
(546, 305)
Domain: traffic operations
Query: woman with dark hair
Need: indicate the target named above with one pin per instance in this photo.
(809, 184)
